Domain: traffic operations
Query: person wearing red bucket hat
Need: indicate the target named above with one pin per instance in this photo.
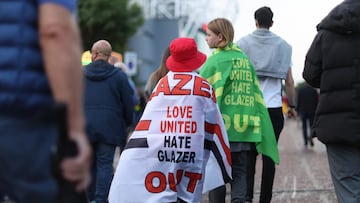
(184, 55)
(179, 140)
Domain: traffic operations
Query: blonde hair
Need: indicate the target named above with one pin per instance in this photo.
(224, 27)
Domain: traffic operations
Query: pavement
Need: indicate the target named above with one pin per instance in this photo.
(303, 173)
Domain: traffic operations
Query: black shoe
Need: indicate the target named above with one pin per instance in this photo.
(311, 143)
(248, 200)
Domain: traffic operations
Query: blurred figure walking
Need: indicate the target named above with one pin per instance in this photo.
(307, 101)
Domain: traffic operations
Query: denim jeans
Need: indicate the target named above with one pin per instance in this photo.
(25, 160)
(102, 172)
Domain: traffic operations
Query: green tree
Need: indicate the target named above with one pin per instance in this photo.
(112, 20)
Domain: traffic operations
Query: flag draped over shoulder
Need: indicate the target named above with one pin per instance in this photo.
(240, 99)
(179, 148)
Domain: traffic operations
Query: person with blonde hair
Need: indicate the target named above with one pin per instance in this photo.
(135, 98)
(241, 104)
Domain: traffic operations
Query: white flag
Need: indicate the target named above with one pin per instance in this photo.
(179, 148)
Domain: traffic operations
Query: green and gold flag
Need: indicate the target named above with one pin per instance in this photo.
(240, 99)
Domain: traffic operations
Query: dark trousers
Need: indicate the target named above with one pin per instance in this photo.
(179, 201)
(26, 149)
(217, 195)
(102, 172)
(238, 182)
(307, 118)
(268, 168)
(344, 163)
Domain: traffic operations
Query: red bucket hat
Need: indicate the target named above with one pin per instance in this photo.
(184, 55)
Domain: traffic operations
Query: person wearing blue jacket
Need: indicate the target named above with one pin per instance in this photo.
(109, 112)
(40, 67)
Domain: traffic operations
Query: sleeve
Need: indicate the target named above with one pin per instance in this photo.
(135, 97)
(68, 4)
(242, 44)
(313, 62)
(128, 106)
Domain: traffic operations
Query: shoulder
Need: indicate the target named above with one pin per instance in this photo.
(246, 37)
(286, 44)
(120, 73)
(210, 62)
(243, 40)
(282, 41)
(70, 5)
(210, 59)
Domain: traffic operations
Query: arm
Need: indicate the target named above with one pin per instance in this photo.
(290, 92)
(61, 49)
(313, 63)
(128, 105)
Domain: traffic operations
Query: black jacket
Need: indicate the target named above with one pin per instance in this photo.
(333, 65)
(108, 103)
(307, 100)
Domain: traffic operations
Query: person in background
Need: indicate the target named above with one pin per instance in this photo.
(271, 57)
(135, 98)
(109, 113)
(47, 38)
(307, 101)
(160, 72)
(332, 64)
(118, 64)
(180, 130)
(241, 104)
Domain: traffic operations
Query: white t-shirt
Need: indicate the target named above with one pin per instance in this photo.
(271, 88)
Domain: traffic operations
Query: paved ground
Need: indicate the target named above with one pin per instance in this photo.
(303, 174)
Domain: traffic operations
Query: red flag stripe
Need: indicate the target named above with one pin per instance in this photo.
(215, 128)
(143, 125)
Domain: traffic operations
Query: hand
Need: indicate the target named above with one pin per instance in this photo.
(292, 113)
(77, 169)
